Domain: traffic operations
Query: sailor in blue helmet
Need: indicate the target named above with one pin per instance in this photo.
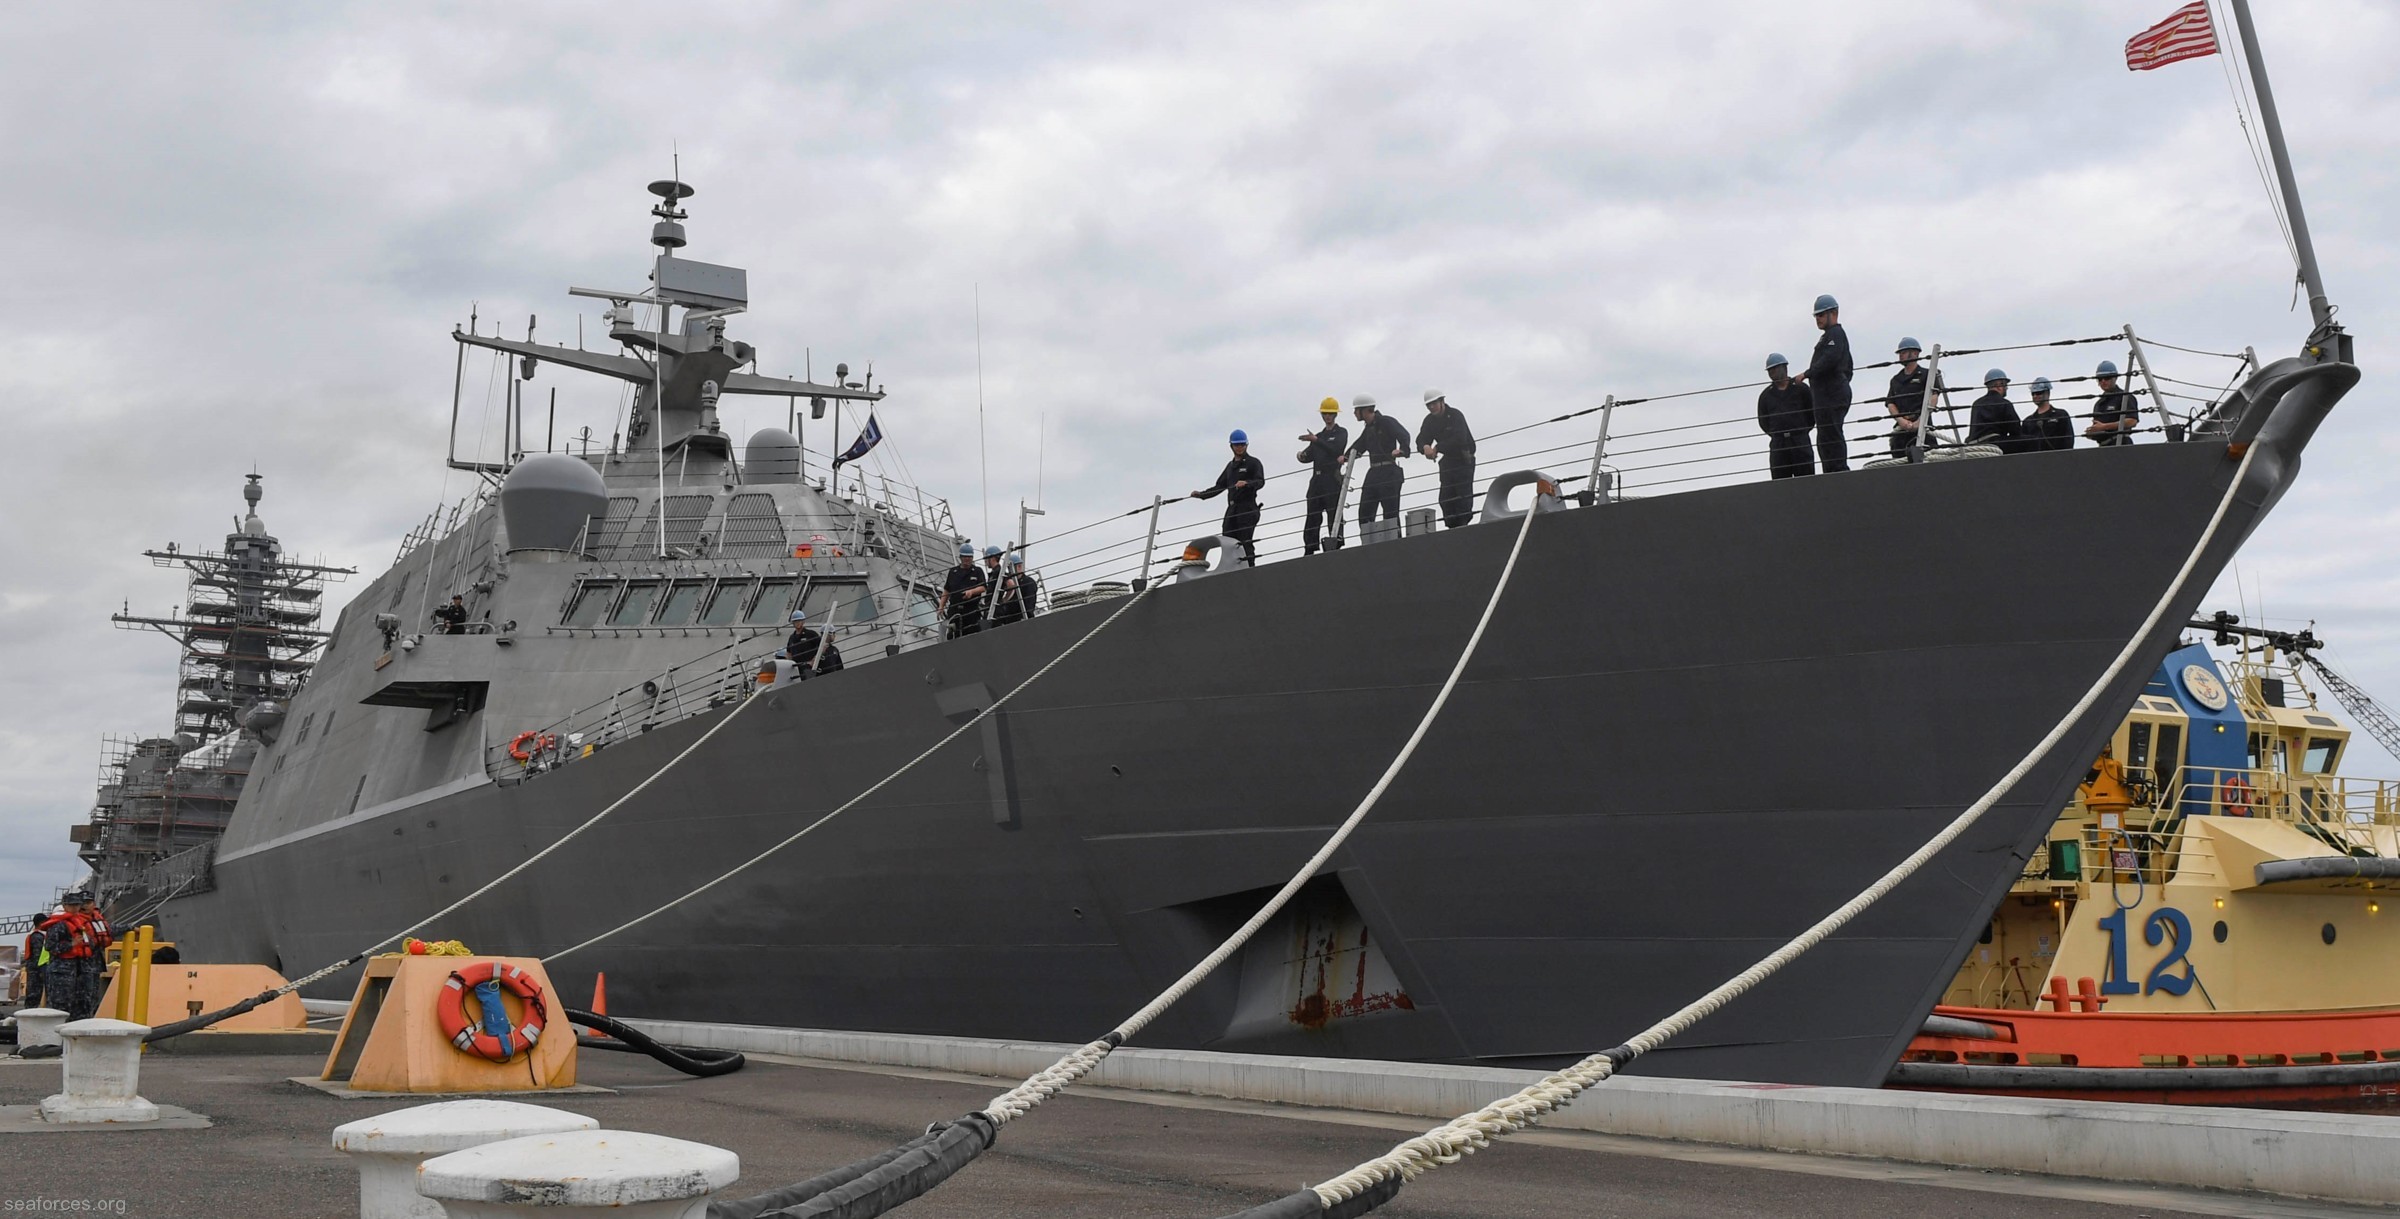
(1785, 414)
(1014, 597)
(1383, 441)
(1239, 482)
(2045, 427)
(2113, 412)
(1907, 396)
(810, 650)
(1828, 378)
(962, 594)
(1994, 417)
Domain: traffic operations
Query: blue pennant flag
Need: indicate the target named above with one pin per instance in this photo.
(868, 438)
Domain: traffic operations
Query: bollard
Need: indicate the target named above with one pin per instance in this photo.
(102, 1073)
(586, 1174)
(39, 1026)
(388, 1147)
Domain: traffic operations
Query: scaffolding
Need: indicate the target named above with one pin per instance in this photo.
(247, 636)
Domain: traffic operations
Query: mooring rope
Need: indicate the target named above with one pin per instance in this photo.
(888, 1179)
(880, 784)
(1377, 1180)
(204, 1020)
(1051, 1080)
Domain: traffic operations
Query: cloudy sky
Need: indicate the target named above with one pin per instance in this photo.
(241, 234)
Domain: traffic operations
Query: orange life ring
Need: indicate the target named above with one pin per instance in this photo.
(542, 742)
(2237, 796)
(468, 1035)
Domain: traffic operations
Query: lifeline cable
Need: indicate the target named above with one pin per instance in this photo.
(1376, 1181)
(874, 1185)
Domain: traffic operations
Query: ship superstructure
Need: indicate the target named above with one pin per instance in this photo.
(1570, 857)
(247, 637)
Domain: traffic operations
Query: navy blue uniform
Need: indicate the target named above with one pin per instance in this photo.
(2115, 406)
(1829, 391)
(1785, 415)
(1241, 501)
(2042, 431)
(1014, 600)
(1908, 394)
(1994, 421)
(1448, 433)
(963, 608)
(1383, 441)
(1323, 456)
(804, 648)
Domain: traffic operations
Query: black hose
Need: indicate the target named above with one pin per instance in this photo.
(691, 1060)
(1306, 1205)
(876, 1184)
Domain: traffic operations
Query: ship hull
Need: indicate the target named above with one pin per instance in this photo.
(1697, 723)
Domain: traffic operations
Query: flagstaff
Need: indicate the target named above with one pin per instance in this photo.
(2320, 309)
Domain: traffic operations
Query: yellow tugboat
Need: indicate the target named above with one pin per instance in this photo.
(2206, 922)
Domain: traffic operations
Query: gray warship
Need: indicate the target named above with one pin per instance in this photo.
(1702, 717)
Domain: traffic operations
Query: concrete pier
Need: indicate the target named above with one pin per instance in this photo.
(2343, 1157)
(1093, 1153)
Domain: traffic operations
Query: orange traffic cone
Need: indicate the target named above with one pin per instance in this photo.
(599, 999)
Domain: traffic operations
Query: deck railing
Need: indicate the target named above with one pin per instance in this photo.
(1634, 447)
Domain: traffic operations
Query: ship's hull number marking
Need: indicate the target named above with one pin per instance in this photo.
(2165, 925)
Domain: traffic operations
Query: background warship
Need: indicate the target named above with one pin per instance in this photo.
(246, 638)
(1700, 720)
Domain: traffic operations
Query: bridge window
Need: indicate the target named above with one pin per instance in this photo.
(640, 595)
(922, 612)
(774, 602)
(2170, 755)
(839, 602)
(724, 606)
(2320, 756)
(682, 598)
(591, 602)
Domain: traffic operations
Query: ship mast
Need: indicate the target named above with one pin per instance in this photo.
(248, 634)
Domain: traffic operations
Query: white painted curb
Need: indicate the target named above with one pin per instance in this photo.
(2344, 1157)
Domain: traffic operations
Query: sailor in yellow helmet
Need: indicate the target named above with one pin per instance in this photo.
(1324, 453)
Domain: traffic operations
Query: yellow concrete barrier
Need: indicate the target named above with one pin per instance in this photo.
(392, 1039)
(179, 992)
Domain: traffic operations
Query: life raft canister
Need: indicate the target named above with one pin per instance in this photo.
(525, 744)
(2237, 796)
(475, 1036)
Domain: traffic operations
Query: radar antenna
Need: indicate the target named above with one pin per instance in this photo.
(2302, 646)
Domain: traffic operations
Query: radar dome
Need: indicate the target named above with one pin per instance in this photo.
(772, 456)
(547, 499)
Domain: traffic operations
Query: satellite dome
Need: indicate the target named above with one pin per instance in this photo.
(547, 499)
(772, 456)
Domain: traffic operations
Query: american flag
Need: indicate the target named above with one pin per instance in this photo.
(2187, 35)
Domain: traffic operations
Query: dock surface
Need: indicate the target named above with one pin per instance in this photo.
(1095, 1153)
